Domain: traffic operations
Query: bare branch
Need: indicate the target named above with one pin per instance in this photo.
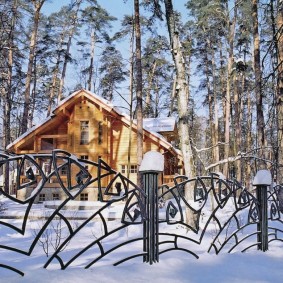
(239, 156)
(209, 148)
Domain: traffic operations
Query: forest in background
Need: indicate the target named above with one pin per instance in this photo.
(225, 54)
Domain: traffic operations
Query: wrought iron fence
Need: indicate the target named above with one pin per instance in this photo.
(208, 212)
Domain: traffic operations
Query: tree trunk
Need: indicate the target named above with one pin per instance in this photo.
(139, 90)
(8, 95)
(216, 123)
(148, 97)
(231, 34)
(173, 96)
(54, 79)
(258, 84)
(210, 99)
(131, 101)
(32, 46)
(182, 88)
(67, 52)
(89, 82)
(280, 89)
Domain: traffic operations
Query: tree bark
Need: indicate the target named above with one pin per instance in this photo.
(237, 139)
(8, 95)
(182, 88)
(258, 84)
(131, 100)
(54, 79)
(147, 107)
(216, 122)
(37, 7)
(89, 82)
(138, 90)
(67, 52)
(231, 34)
(279, 109)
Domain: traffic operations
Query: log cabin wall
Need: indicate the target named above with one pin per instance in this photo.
(89, 129)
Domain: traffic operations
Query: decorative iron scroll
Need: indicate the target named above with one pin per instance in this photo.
(223, 211)
(275, 204)
(77, 179)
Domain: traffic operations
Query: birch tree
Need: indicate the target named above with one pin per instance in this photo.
(182, 88)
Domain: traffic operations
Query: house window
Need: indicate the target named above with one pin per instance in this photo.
(133, 168)
(84, 197)
(100, 133)
(123, 169)
(55, 196)
(41, 198)
(84, 132)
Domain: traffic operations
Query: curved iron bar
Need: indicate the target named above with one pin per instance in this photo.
(113, 249)
(128, 258)
(178, 236)
(179, 249)
(243, 239)
(275, 212)
(251, 246)
(12, 269)
(175, 243)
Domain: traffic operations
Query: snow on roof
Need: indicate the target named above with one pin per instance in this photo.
(88, 92)
(152, 125)
(52, 115)
(159, 124)
(29, 131)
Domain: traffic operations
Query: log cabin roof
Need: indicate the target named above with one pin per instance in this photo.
(62, 110)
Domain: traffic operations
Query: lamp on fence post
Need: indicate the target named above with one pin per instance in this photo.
(151, 165)
(262, 180)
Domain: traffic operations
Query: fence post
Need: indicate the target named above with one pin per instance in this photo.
(152, 164)
(262, 180)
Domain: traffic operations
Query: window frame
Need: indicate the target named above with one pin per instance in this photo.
(55, 196)
(133, 168)
(42, 197)
(84, 197)
(84, 132)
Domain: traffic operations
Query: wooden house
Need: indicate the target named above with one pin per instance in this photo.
(90, 127)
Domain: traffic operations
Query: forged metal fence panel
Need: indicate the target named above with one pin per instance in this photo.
(221, 210)
(129, 222)
(225, 216)
(58, 249)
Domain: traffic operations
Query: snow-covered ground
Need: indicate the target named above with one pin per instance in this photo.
(174, 266)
